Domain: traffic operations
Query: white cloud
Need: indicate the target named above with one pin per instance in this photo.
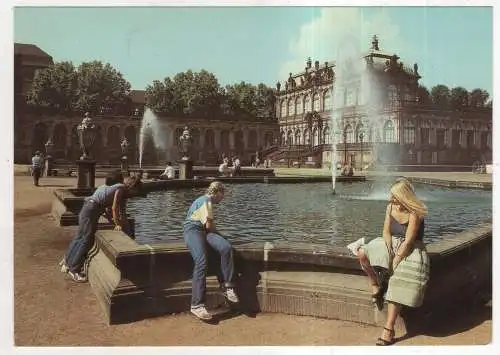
(321, 38)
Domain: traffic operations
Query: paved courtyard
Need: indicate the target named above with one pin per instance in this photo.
(50, 310)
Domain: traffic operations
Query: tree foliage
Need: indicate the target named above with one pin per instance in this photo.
(54, 87)
(459, 97)
(86, 88)
(440, 96)
(200, 94)
(479, 98)
(424, 97)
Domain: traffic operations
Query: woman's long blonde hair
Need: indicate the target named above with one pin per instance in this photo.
(404, 193)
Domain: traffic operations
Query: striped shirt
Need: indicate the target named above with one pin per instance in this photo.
(36, 162)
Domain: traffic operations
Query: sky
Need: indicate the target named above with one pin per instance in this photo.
(452, 45)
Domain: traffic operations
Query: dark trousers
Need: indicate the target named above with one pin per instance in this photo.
(84, 240)
(198, 241)
(36, 173)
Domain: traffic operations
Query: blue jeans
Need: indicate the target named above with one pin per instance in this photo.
(84, 240)
(197, 240)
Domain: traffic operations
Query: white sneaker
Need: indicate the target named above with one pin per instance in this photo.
(231, 295)
(201, 312)
(77, 277)
(64, 268)
(354, 246)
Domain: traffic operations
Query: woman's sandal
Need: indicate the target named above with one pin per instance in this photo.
(383, 342)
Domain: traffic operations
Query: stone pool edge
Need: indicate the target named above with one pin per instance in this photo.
(134, 282)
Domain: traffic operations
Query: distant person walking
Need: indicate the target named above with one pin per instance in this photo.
(36, 167)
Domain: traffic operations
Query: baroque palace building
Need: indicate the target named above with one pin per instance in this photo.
(378, 118)
(33, 127)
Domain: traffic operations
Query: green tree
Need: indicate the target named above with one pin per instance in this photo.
(87, 88)
(242, 99)
(459, 97)
(187, 93)
(247, 99)
(54, 87)
(266, 100)
(440, 95)
(424, 97)
(478, 98)
(160, 96)
(100, 85)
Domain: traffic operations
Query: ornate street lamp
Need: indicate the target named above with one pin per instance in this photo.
(87, 132)
(124, 160)
(49, 148)
(185, 164)
(185, 141)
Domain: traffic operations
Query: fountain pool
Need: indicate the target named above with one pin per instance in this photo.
(306, 212)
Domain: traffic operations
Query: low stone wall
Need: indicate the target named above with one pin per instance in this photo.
(135, 281)
(453, 183)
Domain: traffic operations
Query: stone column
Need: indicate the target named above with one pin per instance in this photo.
(217, 133)
(432, 135)
(463, 138)
(231, 140)
(448, 133)
(245, 138)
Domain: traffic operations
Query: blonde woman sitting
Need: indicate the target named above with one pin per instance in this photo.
(401, 251)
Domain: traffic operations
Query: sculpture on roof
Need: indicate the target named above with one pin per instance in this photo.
(375, 43)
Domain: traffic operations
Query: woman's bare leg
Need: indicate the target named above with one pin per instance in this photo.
(365, 264)
(392, 314)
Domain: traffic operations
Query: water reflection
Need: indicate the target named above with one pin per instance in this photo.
(306, 212)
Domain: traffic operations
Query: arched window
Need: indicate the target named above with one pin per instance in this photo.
(326, 135)
(409, 132)
(283, 108)
(316, 103)
(360, 129)
(349, 134)
(291, 107)
(307, 104)
(297, 137)
(299, 107)
(389, 134)
(327, 100)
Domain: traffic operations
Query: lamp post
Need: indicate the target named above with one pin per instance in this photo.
(361, 136)
(49, 148)
(124, 159)
(87, 132)
(345, 147)
(185, 163)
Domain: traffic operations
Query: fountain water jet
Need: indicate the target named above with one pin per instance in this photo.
(151, 127)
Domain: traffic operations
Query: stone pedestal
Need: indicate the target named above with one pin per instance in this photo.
(124, 165)
(49, 165)
(85, 174)
(185, 169)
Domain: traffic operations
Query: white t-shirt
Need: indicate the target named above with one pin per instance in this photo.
(169, 172)
(237, 162)
(224, 169)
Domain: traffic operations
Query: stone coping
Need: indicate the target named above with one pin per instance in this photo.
(134, 281)
(120, 247)
(453, 183)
